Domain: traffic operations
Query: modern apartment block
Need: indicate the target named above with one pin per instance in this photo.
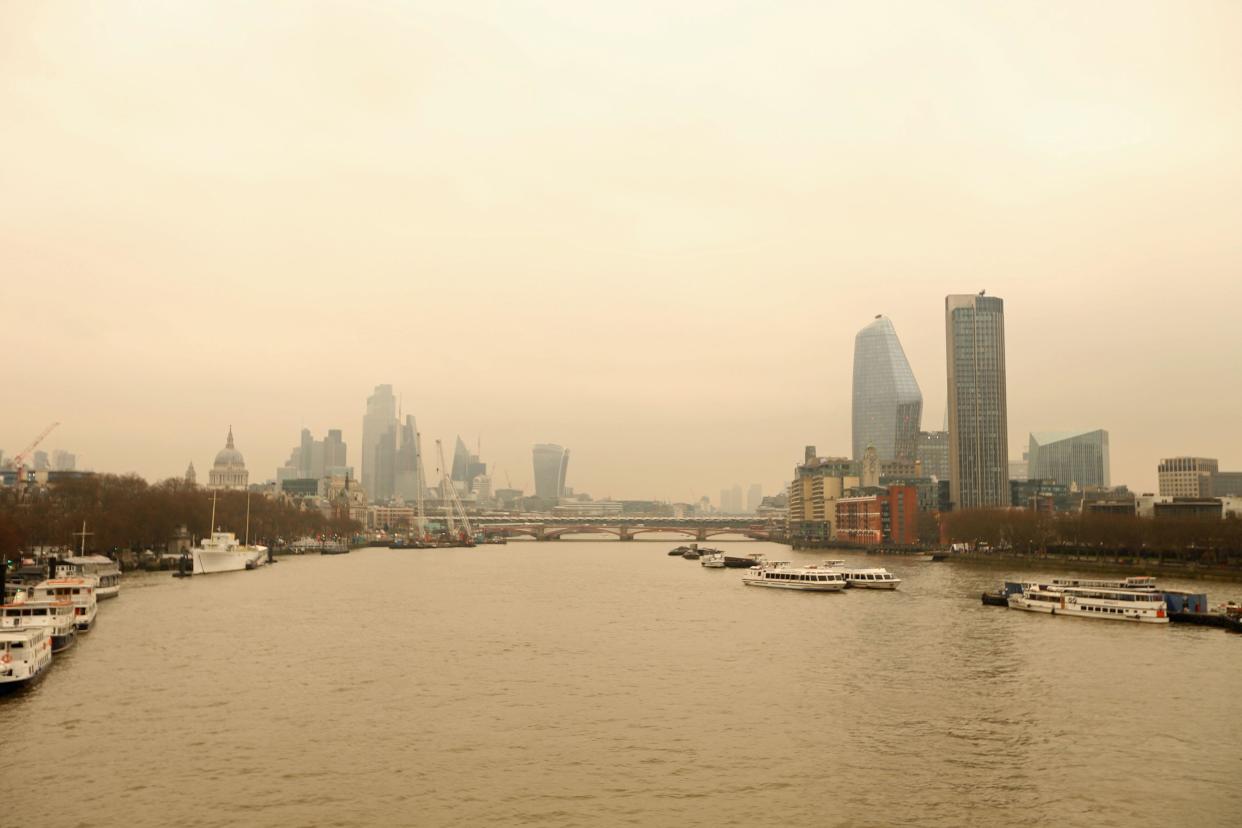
(891, 517)
(978, 417)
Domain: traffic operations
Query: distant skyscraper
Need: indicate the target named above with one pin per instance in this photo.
(978, 417)
(754, 497)
(64, 461)
(379, 427)
(888, 406)
(551, 464)
(1070, 457)
(191, 476)
(410, 473)
(41, 462)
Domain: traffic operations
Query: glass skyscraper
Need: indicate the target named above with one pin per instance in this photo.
(551, 463)
(888, 406)
(978, 418)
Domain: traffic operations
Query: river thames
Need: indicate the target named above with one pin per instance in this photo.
(605, 683)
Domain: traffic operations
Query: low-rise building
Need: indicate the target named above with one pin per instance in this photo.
(1109, 500)
(1043, 496)
(1204, 508)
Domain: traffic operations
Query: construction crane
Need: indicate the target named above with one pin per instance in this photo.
(454, 503)
(19, 462)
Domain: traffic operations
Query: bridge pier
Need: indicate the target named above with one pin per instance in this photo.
(701, 536)
(625, 534)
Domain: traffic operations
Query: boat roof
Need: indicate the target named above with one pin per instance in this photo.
(38, 602)
(23, 634)
(89, 559)
(67, 582)
(869, 569)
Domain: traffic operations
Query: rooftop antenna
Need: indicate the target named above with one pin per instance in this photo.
(982, 292)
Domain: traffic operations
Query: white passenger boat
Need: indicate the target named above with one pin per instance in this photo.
(79, 591)
(57, 617)
(222, 553)
(102, 568)
(715, 560)
(872, 578)
(1119, 604)
(24, 655)
(781, 575)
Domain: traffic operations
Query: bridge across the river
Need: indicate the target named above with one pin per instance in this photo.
(623, 528)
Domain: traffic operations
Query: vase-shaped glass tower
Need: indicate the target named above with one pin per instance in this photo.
(888, 406)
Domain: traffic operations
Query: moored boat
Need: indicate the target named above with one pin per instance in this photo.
(78, 591)
(1144, 604)
(102, 568)
(715, 560)
(57, 617)
(781, 575)
(744, 561)
(24, 656)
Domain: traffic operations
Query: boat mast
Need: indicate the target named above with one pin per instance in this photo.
(421, 521)
(83, 533)
(212, 528)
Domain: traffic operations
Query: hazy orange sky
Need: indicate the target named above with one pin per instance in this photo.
(646, 231)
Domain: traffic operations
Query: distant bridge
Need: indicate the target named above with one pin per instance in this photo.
(623, 528)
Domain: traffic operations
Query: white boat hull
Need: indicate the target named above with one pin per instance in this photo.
(1081, 611)
(874, 584)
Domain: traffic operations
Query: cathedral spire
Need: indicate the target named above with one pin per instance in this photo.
(229, 444)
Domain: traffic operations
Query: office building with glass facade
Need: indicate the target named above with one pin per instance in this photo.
(888, 405)
(1073, 458)
(978, 418)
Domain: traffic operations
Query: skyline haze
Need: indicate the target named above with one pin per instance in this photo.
(633, 234)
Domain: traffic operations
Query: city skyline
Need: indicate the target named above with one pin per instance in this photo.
(581, 279)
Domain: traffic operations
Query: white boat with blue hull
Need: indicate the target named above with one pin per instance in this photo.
(780, 575)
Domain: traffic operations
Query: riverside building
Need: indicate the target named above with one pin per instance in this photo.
(978, 417)
(1072, 458)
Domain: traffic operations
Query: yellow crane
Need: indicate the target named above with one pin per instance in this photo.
(19, 462)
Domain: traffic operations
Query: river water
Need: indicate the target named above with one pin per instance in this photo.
(604, 683)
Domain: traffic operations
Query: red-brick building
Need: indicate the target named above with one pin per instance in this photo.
(892, 517)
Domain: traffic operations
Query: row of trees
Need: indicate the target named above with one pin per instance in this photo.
(1028, 531)
(126, 512)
